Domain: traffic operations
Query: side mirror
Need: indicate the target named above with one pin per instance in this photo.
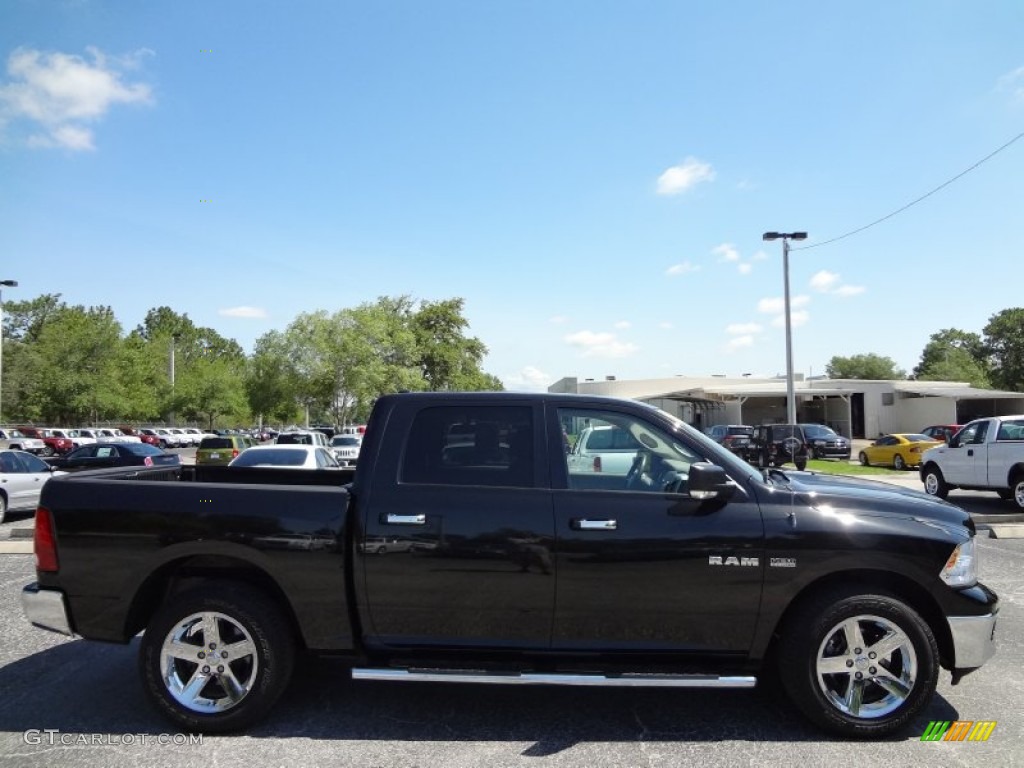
(954, 442)
(709, 481)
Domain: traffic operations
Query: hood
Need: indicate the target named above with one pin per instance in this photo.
(860, 496)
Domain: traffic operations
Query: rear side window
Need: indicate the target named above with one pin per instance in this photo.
(216, 442)
(483, 446)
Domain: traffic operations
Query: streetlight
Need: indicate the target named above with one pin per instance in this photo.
(790, 395)
(8, 284)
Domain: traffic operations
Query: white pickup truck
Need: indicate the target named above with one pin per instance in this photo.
(605, 448)
(986, 455)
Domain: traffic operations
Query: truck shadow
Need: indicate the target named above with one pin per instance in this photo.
(80, 687)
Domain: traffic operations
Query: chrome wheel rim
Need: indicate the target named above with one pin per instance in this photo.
(897, 462)
(866, 667)
(208, 662)
(931, 483)
(1018, 494)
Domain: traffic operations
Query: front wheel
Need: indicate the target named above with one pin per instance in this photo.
(858, 664)
(3, 507)
(216, 658)
(1018, 491)
(934, 484)
(47, 451)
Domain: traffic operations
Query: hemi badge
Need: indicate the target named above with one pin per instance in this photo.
(782, 562)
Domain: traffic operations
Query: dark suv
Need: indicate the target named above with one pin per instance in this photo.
(735, 437)
(772, 445)
(824, 443)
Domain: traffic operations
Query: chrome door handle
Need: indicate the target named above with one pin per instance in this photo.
(595, 525)
(405, 519)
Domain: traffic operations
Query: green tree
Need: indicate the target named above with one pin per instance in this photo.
(25, 320)
(1004, 346)
(953, 355)
(864, 366)
(447, 358)
(77, 356)
(268, 385)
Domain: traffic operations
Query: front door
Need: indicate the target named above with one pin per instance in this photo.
(457, 552)
(641, 565)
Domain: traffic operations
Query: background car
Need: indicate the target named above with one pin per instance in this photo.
(898, 451)
(346, 449)
(77, 438)
(104, 455)
(302, 437)
(287, 456)
(222, 449)
(824, 443)
(22, 477)
(772, 445)
(735, 437)
(941, 431)
(16, 440)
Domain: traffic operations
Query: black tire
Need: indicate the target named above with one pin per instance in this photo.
(3, 507)
(245, 621)
(934, 483)
(1017, 489)
(1005, 493)
(863, 459)
(801, 464)
(818, 454)
(898, 463)
(818, 638)
(47, 451)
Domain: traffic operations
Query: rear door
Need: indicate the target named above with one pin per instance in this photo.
(461, 495)
(644, 567)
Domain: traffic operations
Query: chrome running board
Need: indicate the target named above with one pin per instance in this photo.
(539, 678)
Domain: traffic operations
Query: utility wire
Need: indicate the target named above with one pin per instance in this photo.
(943, 185)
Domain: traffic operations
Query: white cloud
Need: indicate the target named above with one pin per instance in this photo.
(529, 379)
(680, 178)
(623, 325)
(61, 92)
(849, 290)
(726, 252)
(593, 344)
(828, 282)
(797, 318)
(682, 269)
(743, 328)
(744, 269)
(558, 320)
(777, 305)
(247, 312)
(824, 281)
(1013, 82)
(739, 342)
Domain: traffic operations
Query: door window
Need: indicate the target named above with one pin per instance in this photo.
(477, 445)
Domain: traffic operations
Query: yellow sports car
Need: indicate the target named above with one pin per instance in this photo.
(897, 451)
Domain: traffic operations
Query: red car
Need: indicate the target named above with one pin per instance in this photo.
(941, 431)
(54, 444)
(145, 436)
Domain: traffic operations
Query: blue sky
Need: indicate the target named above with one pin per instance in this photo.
(592, 177)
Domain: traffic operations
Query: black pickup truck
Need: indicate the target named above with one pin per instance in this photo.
(467, 548)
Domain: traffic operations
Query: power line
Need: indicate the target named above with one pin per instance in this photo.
(943, 185)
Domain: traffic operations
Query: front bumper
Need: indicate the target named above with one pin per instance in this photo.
(46, 608)
(973, 639)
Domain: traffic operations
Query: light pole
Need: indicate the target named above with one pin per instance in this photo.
(8, 284)
(174, 340)
(790, 394)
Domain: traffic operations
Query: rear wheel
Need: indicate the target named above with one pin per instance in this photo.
(216, 658)
(3, 507)
(858, 664)
(863, 458)
(898, 462)
(935, 485)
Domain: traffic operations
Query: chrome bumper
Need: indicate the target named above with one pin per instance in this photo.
(973, 639)
(46, 608)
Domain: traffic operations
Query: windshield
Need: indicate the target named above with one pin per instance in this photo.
(818, 430)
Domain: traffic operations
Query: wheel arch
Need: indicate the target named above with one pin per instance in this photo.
(180, 575)
(894, 584)
(1016, 472)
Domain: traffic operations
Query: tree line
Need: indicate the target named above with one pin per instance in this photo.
(992, 359)
(71, 365)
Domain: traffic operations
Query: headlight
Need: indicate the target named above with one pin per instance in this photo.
(961, 569)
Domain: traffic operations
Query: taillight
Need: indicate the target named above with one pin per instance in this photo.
(234, 452)
(148, 461)
(45, 544)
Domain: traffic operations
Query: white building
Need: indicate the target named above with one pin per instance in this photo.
(853, 407)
